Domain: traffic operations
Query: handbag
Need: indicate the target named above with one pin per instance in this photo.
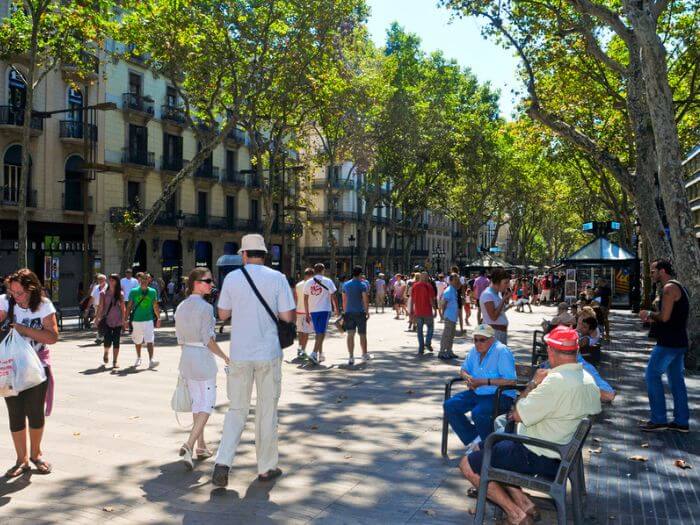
(181, 400)
(286, 331)
(102, 325)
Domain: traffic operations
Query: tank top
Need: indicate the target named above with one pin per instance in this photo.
(673, 333)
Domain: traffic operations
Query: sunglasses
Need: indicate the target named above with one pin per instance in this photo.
(208, 281)
(480, 339)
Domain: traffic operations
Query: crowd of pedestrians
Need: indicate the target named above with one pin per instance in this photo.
(256, 299)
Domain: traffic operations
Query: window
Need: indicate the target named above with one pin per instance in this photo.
(12, 166)
(138, 143)
(231, 163)
(17, 92)
(172, 152)
(133, 194)
(75, 104)
(202, 205)
(171, 206)
(171, 96)
(275, 217)
(135, 84)
(254, 211)
(72, 197)
(230, 210)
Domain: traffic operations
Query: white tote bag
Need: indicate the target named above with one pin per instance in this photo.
(27, 370)
(181, 400)
(6, 361)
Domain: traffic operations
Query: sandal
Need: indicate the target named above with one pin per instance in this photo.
(270, 475)
(472, 492)
(204, 453)
(42, 467)
(186, 455)
(17, 469)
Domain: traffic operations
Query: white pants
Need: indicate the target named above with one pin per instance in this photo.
(239, 386)
(143, 332)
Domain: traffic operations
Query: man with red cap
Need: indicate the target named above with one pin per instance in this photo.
(551, 408)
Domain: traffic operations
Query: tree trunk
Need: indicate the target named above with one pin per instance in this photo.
(671, 182)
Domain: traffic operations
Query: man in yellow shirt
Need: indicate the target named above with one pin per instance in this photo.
(551, 408)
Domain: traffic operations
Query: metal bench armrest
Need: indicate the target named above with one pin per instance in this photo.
(448, 386)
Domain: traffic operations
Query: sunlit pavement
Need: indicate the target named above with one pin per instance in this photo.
(359, 445)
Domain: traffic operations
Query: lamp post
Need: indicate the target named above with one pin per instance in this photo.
(352, 251)
(438, 252)
(179, 224)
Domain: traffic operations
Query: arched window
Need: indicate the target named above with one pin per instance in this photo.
(12, 167)
(72, 196)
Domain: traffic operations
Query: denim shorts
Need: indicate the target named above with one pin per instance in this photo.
(509, 455)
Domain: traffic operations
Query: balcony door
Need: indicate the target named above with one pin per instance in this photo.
(230, 210)
(202, 207)
(12, 167)
(172, 152)
(17, 90)
(135, 84)
(138, 143)
(133, 194)
(72, 197)
(254, 211)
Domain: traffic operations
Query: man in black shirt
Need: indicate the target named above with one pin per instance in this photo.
(671, 328)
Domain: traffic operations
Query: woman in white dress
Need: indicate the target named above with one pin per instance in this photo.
(195, 329)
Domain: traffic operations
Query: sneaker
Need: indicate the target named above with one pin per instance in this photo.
(678, 428)
(351, 361)
(444, 356)
(137, 363)
(313, 357)
(429, 348)
(420, 353)
(653, 427)
(367, 357)
(220, 476)
(321, 358)
(300, 353)
(152, 364)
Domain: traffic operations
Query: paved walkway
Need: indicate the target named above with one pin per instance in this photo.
(357, 446)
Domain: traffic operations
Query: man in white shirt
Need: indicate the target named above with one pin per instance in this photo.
(304, 328)
(100, 286)
(128, 282)
(379, 292)
(441, 285)
(256, 357)
(319, 293)
(494, 303)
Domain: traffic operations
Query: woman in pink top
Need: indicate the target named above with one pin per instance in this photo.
(113, 309)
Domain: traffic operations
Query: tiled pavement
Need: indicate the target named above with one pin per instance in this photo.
(357, 446)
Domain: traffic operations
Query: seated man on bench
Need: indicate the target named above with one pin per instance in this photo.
(488, 365)
(551, 408)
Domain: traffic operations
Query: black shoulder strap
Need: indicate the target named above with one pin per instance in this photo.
(320, 284)
(257, 294)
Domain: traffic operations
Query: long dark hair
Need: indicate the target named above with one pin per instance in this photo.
(115, 286)
(31, 284)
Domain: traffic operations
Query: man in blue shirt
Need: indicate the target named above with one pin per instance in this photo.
(488, 364)
(356, 313)
(449, 310)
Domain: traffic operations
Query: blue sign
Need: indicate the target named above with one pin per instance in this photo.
(495, 249)
(587, 226)
(614, 225)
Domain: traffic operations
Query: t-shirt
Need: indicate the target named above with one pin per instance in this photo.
(399, 287)
(128, 285)
(171, 288)
(253, 331)
(422, 297)
(143, 304)
(451, 305)
(492, 296)
(553, 410)
(26, 317)
(380, 285)
(604, 292)
(319, 297)
(299, 290)
(95, 294)
(353, 290)
(480, 284)
(441, 287)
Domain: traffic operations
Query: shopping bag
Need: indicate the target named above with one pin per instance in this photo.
(6, 360)
(27, 370)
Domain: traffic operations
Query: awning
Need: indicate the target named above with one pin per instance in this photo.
(600, 251)
(486, 261)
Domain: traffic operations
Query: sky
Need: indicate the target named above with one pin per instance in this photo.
(460, 39)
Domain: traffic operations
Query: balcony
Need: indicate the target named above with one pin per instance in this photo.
(73, 203)
(71, 131)
(144, 159)
(12, 119)
(9, 196)
(174, 114)
(171, 164)
(320, 184)
(380, 220)
(234, 178)
(207, 171)
(419, 253)
(133, 102)
(337, 216)
(278, 229)
(86, 63)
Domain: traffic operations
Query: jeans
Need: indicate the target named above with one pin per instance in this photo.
(665, 359)
(267, 376)
(481, 408)
(425, 320)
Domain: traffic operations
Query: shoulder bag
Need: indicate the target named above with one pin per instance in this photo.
(321, 284)
(102, 326)
(286, 331)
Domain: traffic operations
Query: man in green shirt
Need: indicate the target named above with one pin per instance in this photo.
(550, 409)
(143, 311)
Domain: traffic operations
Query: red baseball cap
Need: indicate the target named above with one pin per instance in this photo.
(563, 338)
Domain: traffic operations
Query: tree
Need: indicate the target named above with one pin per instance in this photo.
(36, 38)
(624, 47)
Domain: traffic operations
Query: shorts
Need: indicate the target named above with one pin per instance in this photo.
(379, 298)
(320, 321)
(509, 455)
(398, 301)
(356, 321)
(111, 336)
(143, 332)
(303, 327)
(203, 394)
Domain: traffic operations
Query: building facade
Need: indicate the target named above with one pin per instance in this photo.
(691, 166)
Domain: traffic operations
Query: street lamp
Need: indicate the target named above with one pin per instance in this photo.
(179, 224)
(352, 251)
